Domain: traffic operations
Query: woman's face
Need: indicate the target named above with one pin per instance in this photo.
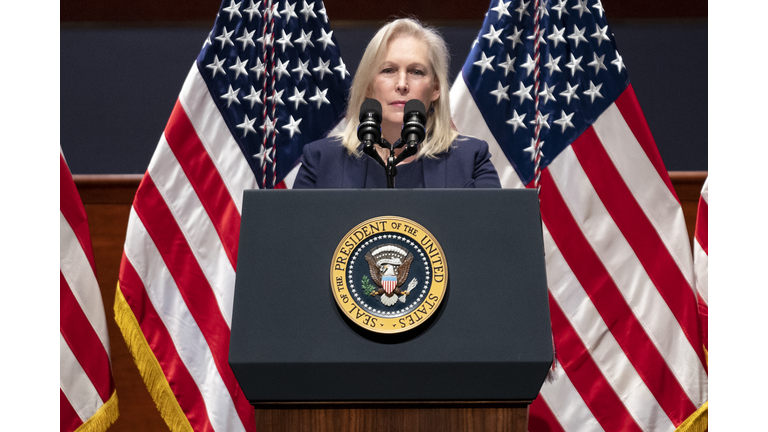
(404, 74)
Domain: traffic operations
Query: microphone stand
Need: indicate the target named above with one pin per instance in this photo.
(390, 167)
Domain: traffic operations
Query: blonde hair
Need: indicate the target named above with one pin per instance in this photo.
(440, 130)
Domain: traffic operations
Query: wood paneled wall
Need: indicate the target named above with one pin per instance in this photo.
(107, 200)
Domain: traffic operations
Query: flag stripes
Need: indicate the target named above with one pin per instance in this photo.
(632, 115)
(87, 391)
(192, 286)
(190, 214)
(179, 344)
(80, 337)
(159, 340)
(586, 377)
(202, 175)
(216, 138)
(635, 227)
(605, 294)
(600, 342)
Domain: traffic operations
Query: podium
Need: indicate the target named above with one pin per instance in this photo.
(474, 364)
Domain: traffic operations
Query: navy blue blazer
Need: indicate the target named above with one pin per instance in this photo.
(327, 165)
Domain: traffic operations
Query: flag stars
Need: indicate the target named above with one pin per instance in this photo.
(231, 96)
(269, 126)
(253, 8)
(319, 97)
(508, 66)
(247, 126)
(524, 93)
(593, 92)
(217, 66)
(493, 36)
(502, 9)
(523, 10)
(282, 69)
(552, 64)
(292, 127)
(263, 155)
(485, 63)
(233, 9)
(259, 69)
(288, 12)
(618, 62)
(246, 39)
(302, 69)
(574, 65)
(600, 34)
(557, 35)
(342, 69)
(570, 93)
(517, 121)
(224, 38)
(541, 37)
(515, 37)
(542, 120)
(265, 40)
(285, 40)
(500, 93)
(577, 35)
(597, 63)
(297, 98)
(325, 38)
(581, 6)
(324, 14)
(322, 68)
(598, 6)
(239, 68)
(529, 66)
(561, 8)
(308, 10)
(254, 98)
(304, 40)
(548, 93)
(564, 121)
(277, 97)
(532, 149)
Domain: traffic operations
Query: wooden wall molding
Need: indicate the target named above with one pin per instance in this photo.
(108, 199)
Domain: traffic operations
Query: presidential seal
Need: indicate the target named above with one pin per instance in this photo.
(388, 274)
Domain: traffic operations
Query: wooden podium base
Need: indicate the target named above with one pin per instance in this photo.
(393, 416)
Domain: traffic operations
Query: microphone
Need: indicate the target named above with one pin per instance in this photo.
(414, 121)
(369, 130)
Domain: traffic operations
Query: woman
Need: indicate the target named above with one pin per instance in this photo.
(403, 61)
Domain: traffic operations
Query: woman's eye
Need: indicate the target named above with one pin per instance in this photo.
(387, 71)
(417, 72)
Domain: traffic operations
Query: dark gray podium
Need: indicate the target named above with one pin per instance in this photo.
(476, 363)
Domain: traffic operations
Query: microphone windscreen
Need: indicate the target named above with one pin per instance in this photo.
(415, 105)
(370, 105)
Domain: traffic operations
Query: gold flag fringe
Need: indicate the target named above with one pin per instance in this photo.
(103, 418)
(149, 367)
(697, 422)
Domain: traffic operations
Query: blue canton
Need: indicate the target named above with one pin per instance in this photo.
(276, 74)
(581, 75)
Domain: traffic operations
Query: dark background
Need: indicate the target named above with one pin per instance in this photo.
(123, 65)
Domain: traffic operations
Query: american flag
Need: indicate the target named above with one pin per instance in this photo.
(88, 400)
(701, 261)
(268, 80)
(619, 267)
